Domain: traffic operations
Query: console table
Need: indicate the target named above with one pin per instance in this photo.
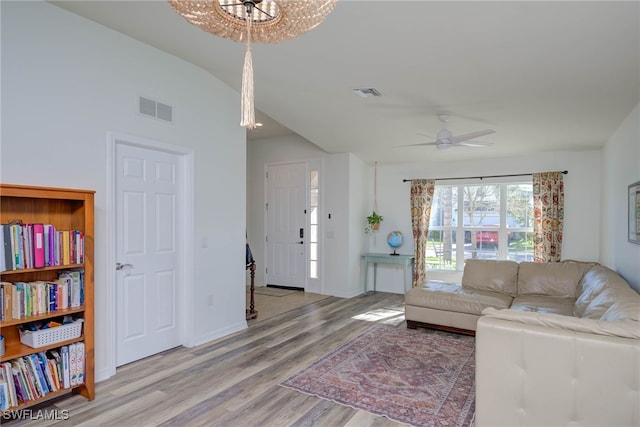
(378, 258)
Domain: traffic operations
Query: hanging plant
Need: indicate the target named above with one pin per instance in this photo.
(373, 222)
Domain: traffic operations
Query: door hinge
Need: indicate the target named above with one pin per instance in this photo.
(266, 206)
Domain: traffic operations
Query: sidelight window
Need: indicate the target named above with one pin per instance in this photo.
(313, 225)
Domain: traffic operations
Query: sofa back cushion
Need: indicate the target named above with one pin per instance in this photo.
(602, 291)
(554, 279)
(624, 310)
(592, 284)
(491, 275)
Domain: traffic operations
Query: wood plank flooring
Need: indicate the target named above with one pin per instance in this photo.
(234, 380)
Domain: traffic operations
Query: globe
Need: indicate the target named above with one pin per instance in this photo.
(395, 239)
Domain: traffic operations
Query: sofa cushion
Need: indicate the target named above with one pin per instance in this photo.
(606, 299)
(554, 279)
(543, 304)
(490, 275)
(453, 297)
(592, 284)
(624, 310)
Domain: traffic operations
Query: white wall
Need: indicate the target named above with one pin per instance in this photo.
(66, 83)
(582, 194)
(337, 251)
(621, 167)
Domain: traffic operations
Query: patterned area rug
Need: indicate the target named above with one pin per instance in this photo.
(417, 377)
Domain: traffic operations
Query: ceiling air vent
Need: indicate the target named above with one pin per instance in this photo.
(367, 92)
(155, 109)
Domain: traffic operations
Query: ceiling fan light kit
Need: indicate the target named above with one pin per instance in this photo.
(258, 21)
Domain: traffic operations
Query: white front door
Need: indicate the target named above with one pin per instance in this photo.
(286, 234)
(149, 191)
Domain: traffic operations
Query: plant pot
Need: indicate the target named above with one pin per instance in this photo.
(375, 225)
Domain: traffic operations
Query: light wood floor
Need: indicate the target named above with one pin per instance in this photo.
(269, 305)
(234, 381)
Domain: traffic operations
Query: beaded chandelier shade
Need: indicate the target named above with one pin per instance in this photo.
(258, 21)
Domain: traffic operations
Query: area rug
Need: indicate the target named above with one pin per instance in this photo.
(418, 377)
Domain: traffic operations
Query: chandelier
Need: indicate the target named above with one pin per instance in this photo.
(257, 21)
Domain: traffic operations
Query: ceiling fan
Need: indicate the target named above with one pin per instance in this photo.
(446, 139)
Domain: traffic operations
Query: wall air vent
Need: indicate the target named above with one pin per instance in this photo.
(155, 109)
(367, 92)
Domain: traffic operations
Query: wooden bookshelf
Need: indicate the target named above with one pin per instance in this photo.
(65, 209)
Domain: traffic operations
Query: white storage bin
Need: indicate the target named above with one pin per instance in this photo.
(45, 337)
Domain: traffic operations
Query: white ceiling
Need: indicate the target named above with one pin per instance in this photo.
(546, 76)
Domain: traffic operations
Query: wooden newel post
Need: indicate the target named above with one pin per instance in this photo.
(252, 313)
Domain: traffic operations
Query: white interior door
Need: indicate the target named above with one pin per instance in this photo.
(148, 196)
(286, 234)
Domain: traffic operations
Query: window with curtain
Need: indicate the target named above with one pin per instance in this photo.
(486, 221)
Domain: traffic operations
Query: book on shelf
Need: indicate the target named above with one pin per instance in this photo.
(27, 384)
(4, 400)
(9, 259)
(3, 259)
(39, 245)
(36, 375)
(22, 391)
(76, 363)
(23, 299)
(6, 374)
(66, 371)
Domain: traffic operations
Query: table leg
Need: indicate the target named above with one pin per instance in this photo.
(366, 276)
(412, 273)
(404, 283)
(375, 275)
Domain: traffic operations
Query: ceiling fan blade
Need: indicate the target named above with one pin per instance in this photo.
(420, 144)
(473, 144)
(472, 135)
(424, 135)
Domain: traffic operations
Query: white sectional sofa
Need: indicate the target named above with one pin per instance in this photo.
(556, 344)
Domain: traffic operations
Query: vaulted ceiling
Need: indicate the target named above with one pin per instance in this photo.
(545, 75)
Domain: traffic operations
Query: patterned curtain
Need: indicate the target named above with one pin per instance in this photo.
(548, 212)
(421, 197)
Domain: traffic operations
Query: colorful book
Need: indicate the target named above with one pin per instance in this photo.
(8, 377)
(66, 378)
(46, 370)
(40, 381)
(7, 302)
(27, 387)
(30, 376)
(3, 259)
(65, 247)
(7, 243)
(38, 246)
(20, 393)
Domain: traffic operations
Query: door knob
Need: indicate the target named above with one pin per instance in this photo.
(121, 266)
(301, 242)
